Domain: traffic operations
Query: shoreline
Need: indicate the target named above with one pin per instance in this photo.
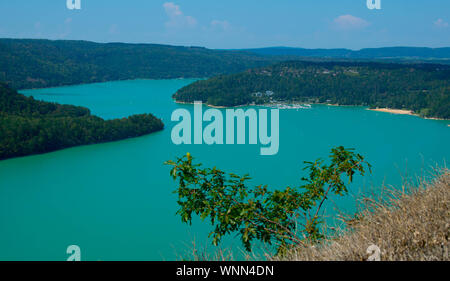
(405, 112)
(385, 110)
(107, 81)
(209, 105)
(394, 111)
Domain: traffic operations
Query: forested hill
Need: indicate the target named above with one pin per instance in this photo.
(423, 88)
(29, 127)
(35, 63)
(368, 53)
(31, 63)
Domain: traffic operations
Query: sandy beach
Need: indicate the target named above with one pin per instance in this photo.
(393, 111)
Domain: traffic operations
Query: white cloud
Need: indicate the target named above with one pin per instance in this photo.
(176, 17)
(349, 22)
(441, 23)
(113, 29)
(223, 25)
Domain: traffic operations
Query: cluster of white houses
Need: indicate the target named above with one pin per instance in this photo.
(266, 94)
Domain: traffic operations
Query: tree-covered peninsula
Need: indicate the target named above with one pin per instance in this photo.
(28, 126)
(422, 88)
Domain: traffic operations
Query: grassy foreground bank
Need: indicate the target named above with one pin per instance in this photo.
(406, 225)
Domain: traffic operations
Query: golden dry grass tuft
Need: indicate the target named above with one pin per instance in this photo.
(405, 225)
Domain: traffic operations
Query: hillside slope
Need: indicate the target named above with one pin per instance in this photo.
(367, 53)
(423, 88)
(410, 226)
(27, 63)
(35, 63)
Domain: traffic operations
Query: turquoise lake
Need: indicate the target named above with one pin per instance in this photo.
(115, 200)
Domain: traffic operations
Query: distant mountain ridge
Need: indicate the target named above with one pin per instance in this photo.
(40, 63)
(367, 53)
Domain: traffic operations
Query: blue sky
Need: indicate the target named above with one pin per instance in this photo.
(234, 23)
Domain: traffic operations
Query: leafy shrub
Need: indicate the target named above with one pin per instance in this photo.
(256, 213)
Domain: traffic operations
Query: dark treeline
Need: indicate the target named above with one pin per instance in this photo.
(28, 126)
(423, 88)
(43, 63)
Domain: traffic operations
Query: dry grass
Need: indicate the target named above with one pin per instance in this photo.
(195, 252)
(411, 224)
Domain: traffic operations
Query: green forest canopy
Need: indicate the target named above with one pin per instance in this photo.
(36, 63)
(27, 63)
(423, 88)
